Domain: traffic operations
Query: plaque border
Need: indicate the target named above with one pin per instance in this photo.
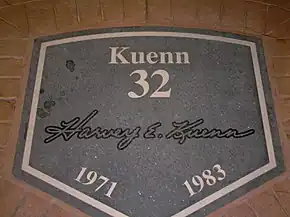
(42, 44)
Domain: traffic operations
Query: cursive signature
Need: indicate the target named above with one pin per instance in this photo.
(77, 127)
(181, 131)
(187, 130)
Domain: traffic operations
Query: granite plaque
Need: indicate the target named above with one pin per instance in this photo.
(148, 122)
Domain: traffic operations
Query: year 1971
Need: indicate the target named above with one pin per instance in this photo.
(92, 177)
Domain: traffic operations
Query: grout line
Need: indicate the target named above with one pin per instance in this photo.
(284, 38)
(11, 24)
(13, 38)
(197, 11)
(20, 3)
(170, 11)
(260, 2)
(20, 37)
(278, 201)
(221, 12)
(270, 36)
(266, 22)
(287, 56)
(252, 209)
(11, 57)
(245, 18)
(99, 11)
(278, 25)
(285, 21)
(281, 76)
(54, 15)
(265, 18)
(27, 21)
(102, 10)
(77, 12)
(5, 121)
(268, 4)
(9, 77)
(283, 192)
(282, 8)
(123, 10)
(146, 11)
(3, 98)
(284, 97)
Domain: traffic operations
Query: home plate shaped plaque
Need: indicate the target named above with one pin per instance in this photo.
(148, 122)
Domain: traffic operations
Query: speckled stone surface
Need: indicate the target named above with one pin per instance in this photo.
(218, 86)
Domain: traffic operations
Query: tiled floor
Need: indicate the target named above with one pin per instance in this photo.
(22, 20)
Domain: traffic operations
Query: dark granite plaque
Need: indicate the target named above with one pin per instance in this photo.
(148, 122)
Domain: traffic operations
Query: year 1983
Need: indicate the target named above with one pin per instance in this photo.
(199, 182)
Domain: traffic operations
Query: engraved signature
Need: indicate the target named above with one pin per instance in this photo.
(181, 131)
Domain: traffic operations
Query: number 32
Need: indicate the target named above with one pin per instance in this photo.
(145, 85)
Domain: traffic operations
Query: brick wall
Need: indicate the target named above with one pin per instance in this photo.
(23, 20)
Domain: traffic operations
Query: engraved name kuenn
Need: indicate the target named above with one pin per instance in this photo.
(122, 55)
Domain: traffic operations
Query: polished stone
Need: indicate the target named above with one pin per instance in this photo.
(207, 137)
